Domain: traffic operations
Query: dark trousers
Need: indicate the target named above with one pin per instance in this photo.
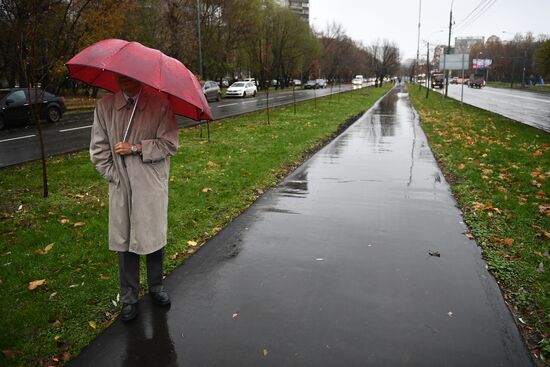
(128, 267)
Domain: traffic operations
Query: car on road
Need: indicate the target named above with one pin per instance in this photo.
(476, 81)
(211, 91)
(321, 83)
(310, 84)
(296, 82)
(358, 80)
(15, 106)
(242, 89)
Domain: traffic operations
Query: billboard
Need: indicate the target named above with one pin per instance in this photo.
(482, 63)
(454, 62)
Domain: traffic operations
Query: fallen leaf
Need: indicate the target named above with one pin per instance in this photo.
(212, 164)
(216, 230)
(450, 314)
(36, 283)
(191, 251)
(509, 242)
(540, 269)
(206, 189)
(536, 184)
(537, 153)
(461, 166)
(79, 224)
(45, 251)
(92, 324)
(265, 352)
(56, 323)
(192, 243)
(52, 296)
(236, 314)
(547, 234)
(541, 195)
(502, 189)
(103, 277)
(469, 235)
(64, 221)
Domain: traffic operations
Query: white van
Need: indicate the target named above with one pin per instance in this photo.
(358, 80)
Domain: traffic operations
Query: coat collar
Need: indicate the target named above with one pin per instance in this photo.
(120, 101)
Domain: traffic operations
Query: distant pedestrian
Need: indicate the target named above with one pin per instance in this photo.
(137, 169)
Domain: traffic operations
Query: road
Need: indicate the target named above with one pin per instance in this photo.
(72, 133)
(332, 268)
(527, 107)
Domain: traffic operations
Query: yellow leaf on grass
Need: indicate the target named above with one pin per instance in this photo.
(212, 164)
(92, 324)
(206, 189)
(36, 283)
(192, 243)
(64, 221)
(79, 224)
(45, 251)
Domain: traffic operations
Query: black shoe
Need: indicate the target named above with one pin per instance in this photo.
(161, 298)
(129, 312)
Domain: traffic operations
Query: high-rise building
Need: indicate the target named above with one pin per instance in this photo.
(464, 44)
(300, 7)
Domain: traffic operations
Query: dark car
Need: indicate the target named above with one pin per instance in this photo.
(310, 84)
(211, 91)
(15, 106)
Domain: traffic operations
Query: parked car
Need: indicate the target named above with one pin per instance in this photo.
(211, 91)
(252, 80)
(296, 82)
(310, 84)
(15, 106)
(242, 89)
(321, 83)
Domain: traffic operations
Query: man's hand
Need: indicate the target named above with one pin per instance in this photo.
(124, 148)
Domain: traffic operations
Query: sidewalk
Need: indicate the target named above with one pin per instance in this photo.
(332, 268)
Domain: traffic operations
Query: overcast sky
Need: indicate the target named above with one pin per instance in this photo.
(397, 20)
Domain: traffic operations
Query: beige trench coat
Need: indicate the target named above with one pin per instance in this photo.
(138, 185)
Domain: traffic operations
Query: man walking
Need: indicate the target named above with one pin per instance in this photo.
(133, 136)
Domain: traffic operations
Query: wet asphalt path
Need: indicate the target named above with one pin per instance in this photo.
(331, 268)
(527, 107)
(72, 133)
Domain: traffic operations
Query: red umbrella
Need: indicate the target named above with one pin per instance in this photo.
(99, 63)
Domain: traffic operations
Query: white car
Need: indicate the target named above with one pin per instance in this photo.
(242, 89)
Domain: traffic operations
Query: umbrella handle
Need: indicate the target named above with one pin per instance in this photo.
(131, 118)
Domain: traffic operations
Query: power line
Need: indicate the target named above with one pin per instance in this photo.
(482, 10)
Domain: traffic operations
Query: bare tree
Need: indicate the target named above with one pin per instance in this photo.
(384, 60)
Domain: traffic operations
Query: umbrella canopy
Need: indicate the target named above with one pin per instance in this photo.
(99, 63)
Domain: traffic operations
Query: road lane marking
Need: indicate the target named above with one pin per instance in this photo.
(249, 101)
(19, 137)
(225, 105)
(75, 128)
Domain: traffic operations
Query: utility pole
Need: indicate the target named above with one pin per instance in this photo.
(418, 40)
(523, 73)
(199, 36)
(449, 49)
(428, 69)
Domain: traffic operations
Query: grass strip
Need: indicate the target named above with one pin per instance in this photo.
(58, 245)
(517, 86)
(499, 172)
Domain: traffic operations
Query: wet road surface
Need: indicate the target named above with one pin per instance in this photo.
(527, 107)
(332, 268)
(72, 133)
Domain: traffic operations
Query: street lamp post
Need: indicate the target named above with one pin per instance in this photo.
(199, 36)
